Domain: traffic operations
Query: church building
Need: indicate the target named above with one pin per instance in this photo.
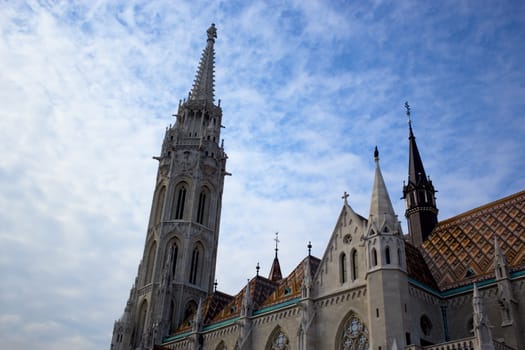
(452, 284)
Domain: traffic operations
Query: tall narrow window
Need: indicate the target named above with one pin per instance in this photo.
(179, 201)
(374, 257)
(194, 265)
(342, 262)
(150, 261)
(181, 198)
(354, 264)
(399, 257)
(174, 253)
(387, 255)
(201, 208)
(159, 204)
(141, 325)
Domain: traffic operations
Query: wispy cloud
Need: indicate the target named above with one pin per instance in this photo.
(307, 88)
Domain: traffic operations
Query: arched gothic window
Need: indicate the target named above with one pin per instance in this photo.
(342, 267)
(171, 259)
(374, 257)
(141, 325)
(354, 335)
(190, 309)
(278, 341)
(150, 261)
(354, 265)
(179, 201)
(202, 207)
(158, 205)
(196, 261)
(387, 255)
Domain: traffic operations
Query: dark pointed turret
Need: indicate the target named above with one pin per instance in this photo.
(419, 194)
(275, 271)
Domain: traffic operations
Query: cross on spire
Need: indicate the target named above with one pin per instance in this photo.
(345, 197)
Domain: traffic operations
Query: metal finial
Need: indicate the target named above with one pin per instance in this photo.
(407, 107)
(212, 32)
(276, 239)
(309, 248)
(257, 268)
(376, 154)
(215, 286)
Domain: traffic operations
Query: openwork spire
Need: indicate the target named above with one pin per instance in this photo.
(204, 83)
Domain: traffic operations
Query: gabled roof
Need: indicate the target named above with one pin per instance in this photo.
(460, 250)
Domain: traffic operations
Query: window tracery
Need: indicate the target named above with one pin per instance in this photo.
(280, 342)
(355, 335)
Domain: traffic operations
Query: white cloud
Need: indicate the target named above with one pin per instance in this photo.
(308, 89)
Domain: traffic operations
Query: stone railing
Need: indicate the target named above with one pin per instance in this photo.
(461, 344)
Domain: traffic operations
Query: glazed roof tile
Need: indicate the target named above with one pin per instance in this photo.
(460, 250)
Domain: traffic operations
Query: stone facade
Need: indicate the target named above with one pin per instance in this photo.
(456, 284)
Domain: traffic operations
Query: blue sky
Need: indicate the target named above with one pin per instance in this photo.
(307, 88)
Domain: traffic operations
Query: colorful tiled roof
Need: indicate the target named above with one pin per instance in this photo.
(460, 250)
(290, 287)
(219, 307)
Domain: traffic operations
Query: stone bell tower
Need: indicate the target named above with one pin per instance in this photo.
(180, 251)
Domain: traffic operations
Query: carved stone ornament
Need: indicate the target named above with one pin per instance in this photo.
(209, 166)
(185, 160)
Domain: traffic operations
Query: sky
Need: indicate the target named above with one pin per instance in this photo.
(308, 89)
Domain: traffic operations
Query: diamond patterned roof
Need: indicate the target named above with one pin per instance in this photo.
(460, 250)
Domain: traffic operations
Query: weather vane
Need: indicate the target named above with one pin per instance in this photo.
(407, 106)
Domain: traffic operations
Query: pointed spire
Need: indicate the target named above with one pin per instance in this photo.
(381, 209)
(482, 327)
(204, 83)
(275, 271)
(416, 171)
(418, 192)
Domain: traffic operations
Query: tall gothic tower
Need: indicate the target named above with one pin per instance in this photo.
(419, 194)
(180, 252)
